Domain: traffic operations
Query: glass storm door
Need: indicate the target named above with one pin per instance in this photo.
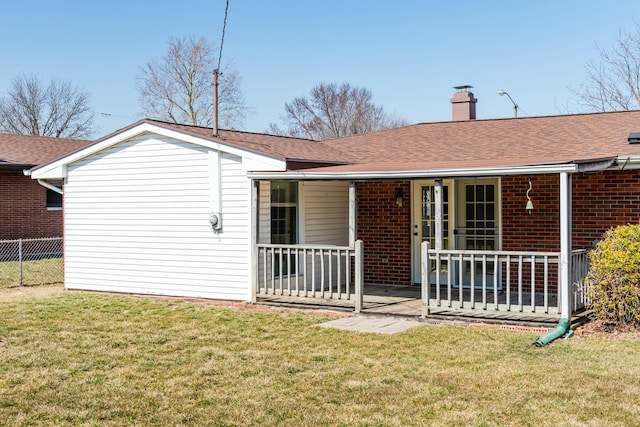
(284, 214)
(478, 226)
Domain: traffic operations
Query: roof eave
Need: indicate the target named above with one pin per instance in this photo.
(15, 166)
(430, 173)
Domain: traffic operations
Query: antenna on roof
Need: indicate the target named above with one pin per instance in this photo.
(216, 73)
(515, 106)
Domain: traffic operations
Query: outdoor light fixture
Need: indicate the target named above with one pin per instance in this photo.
(529, 206)
(399, 196)
(515, 106)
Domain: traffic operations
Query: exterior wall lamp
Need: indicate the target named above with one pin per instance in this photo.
(529, 206)
(399, 197)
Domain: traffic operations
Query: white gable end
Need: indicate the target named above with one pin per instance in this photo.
(252, 161)
(137, 220)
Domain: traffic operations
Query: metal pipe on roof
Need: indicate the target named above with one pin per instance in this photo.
(216, 72)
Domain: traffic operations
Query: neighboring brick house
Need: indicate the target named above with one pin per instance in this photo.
(27, 209)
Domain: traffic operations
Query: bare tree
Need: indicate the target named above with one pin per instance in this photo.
(333, 110)
(178, 88)
(613, 82)
(59, 110)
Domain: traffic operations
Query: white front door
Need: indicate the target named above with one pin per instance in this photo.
(471, 220)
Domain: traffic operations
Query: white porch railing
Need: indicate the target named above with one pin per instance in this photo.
(501, 281)
(579, 269)
(311, 271)
(498, 282)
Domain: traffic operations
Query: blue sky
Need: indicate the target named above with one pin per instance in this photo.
(409, 53)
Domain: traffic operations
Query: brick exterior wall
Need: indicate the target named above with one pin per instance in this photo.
(23, 209)
(540, 230)
(385, 230)
(601, 200)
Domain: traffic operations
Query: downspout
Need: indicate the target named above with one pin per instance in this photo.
(27, 172)
(560, 330)
(50, 187)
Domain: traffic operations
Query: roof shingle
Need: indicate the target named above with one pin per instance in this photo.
(460, 144)
(27, 150)
(494, 142)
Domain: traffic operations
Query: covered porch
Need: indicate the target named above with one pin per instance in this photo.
(505, 208)
(458, 265)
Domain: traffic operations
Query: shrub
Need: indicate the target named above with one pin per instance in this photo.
(614, 276)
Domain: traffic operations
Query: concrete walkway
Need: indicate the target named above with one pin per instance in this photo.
(374, 324)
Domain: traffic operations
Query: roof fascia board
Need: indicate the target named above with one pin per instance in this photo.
(436, 173)
(57, 169)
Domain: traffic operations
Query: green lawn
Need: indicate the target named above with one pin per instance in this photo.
(70, 358)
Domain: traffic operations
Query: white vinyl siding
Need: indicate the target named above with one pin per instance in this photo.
(326, 212)
(137, 220)
(264, 212)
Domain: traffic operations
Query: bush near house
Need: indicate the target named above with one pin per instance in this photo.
(614, 277)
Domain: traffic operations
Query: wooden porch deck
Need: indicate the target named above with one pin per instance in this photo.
(406, 301)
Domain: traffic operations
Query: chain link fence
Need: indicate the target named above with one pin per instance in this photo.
(28, 262)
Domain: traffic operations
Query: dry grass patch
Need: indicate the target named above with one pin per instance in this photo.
(70, 358)
(36, 272)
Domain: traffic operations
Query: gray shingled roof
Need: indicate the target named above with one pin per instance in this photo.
(492, 143)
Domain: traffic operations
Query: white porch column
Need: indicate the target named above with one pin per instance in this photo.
(565, 245)
(359, 276)
(253, 251)
(353, 213)
(437, 192)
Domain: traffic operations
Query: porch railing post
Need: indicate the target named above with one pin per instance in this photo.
(254, 242)
(565, 245)
(353, 208)
(439, 207)
(359, 273)
(424, 272)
